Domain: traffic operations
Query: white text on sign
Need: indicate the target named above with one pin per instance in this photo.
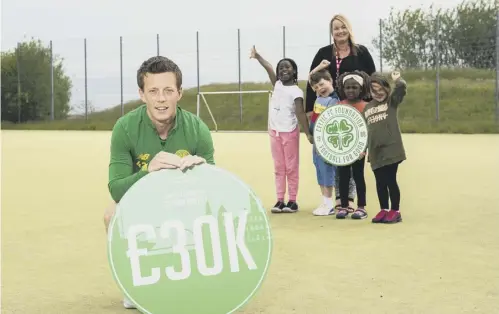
(235, 243)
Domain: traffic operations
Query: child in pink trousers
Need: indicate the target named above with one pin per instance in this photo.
(285, 111)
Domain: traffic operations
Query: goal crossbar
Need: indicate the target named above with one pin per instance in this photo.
(238, 92)
(201, 95)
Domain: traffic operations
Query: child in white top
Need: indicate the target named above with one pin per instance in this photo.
(285, 110)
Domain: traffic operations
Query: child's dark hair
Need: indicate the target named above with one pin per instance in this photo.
(293, 64)
(364, 91)
(316, 77)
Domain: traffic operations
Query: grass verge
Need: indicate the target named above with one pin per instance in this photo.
(466, 105)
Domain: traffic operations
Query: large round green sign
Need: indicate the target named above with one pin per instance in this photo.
(340, 135)
(189, 242)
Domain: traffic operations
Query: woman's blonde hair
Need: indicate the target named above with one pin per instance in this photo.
(348, 25)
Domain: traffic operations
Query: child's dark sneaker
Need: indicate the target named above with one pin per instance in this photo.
(291, 207)
(278, 207)
(360, 213)
(393, 216)
(342, 213)
(380, 217)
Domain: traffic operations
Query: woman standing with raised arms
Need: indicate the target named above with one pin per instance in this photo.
(344, 55)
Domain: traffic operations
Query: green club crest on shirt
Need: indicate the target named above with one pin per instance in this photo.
(193, 242)
(340, 135)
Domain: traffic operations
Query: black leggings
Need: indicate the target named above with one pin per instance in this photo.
(357, 169)
(386, 184)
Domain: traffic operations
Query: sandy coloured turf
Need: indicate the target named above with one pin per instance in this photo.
(442, 259)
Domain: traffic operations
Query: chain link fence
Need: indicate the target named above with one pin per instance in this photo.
(442, 68)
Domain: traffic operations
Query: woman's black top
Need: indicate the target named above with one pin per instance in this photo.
(359, 59)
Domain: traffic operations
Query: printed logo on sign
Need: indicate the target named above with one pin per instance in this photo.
(178, 237)
(340, 135)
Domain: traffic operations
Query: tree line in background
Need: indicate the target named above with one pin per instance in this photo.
(464, 36)
(30, 64)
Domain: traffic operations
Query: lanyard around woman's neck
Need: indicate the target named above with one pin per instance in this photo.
(338, 63)
(339, 60)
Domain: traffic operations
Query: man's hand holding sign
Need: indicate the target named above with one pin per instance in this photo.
(164, 160)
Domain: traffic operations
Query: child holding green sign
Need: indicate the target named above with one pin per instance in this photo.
(322, 83)
(353, 88)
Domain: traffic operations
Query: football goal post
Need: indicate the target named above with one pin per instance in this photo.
(201, 97)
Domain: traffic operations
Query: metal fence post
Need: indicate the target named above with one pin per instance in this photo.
(197, 70)
(157, 45)
(381, 45)
(284, 41)
(497, 67)
(18, 63)
(52, 109)
(121, 76)
(437, 81)
(86, 82)
(239, 74)
(330, 35)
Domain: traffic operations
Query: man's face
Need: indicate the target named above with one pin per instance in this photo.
(161, 96)
(324, 88)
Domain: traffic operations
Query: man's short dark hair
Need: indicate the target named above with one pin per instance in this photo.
(319, 75)
(156, 65)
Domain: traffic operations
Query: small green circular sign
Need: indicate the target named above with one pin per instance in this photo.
(340, 135)
(189, 242)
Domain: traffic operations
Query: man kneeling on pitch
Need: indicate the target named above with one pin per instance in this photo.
(157, 135)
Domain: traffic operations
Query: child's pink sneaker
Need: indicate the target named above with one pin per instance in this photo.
(380, 217)
(392, 217)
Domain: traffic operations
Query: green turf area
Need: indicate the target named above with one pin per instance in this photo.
(441, 259)
(467, 105)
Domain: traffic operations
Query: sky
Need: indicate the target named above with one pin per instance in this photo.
(260, 22)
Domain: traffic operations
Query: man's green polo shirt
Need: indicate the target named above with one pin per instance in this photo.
(135, 142)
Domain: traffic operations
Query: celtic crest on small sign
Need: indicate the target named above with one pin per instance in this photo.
(340, 135)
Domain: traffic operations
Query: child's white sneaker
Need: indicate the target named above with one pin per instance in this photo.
(128, 304)
(323, 210)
